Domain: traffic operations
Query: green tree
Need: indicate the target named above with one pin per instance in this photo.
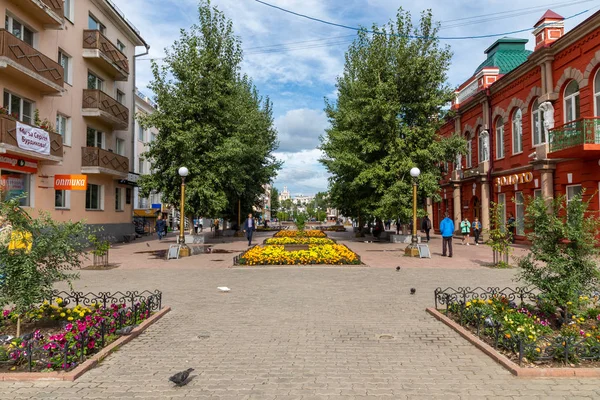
(499, 237)
(212, 120)
(392, 96)
(274, 201)
(35, 253)
(562, 258)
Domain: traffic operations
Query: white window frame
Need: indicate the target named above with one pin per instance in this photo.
(570, 187)
(120, 97)
(120, 149)
(100, 198)
(517, 131)
(68, 66)
(141, 133)
(141, 166)
(66, 198)
(484, 151)
(597, 94)
(63, 128)
(519, 219)
(469, 161)
(9, 21)
(537, 193)
(20, 113)
(97, 21)
(69, 11)
(99, 82)
(102, 137)
(121, 46)
(119, 199)
(537, 125)
(572, 99)
(499, 139)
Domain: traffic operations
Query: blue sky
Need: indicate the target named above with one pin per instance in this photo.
(295, 61)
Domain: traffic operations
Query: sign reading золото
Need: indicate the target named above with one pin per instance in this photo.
(524, 177)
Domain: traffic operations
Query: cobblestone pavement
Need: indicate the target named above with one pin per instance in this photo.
(297, 333)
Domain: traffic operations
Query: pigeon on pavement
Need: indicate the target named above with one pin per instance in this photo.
(180, 378)
(126, 330)
(398, 268)
(413, 290)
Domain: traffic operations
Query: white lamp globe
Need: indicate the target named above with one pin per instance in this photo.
(183, 171)
(415, 172)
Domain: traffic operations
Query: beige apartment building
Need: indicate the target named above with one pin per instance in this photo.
(67, 77)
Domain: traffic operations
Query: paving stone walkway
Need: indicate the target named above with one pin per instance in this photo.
(299, 333)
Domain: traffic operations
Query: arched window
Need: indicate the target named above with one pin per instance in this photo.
(537, 118)
(572, 101)
(597, 93)
(499, 138)
(484, 145)
(469, 150)
(517, 131)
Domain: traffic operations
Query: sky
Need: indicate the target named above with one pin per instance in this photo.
(295, 61)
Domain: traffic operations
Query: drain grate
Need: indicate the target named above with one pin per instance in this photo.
(386, 337)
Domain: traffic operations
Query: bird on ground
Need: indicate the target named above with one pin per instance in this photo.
(148, 244)
(398, 268)
(180, 378)
(27, 336)
(413, 291)
(126, 330)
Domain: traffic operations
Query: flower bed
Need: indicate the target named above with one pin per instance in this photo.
(520, 324)
(298, 240)
(316, 254)
(308, 233)
(63, 332)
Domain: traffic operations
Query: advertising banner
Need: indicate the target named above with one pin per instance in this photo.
(33, 139)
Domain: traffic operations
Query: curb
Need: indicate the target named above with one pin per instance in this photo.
(508, 364)
(87, 364)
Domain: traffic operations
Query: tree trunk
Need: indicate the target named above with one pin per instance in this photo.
(18, 326)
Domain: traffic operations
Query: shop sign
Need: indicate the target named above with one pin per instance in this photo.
(33, 139)
(521, 178)
(70, 182)
(18, 164)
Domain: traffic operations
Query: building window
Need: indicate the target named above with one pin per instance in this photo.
(120, 97)
(19, 30)
(120, 147)
(141, 166)
(499, 138)
(94, 24)
(537, 118)
(94, 82)
(140, 132)
(597, 92)
(520, 213)
(95, 138)
(93, 197)
(517, 131)
(119, 199)
(484, 140)
(121, 46)
(15, 184)
(537, 193)
(573, 191)
(68, 11)
(65, 61)
(128, 196)
(62, 199)
(469, 150)
(502, 204)
(63, 128)
(19, 108)
(572, 101)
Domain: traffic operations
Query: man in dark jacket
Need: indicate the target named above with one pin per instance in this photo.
(426, 226)
(447, 231)
(249, 228)
(161, 227)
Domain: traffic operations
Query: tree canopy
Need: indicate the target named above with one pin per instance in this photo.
(391, 101)
(212, 120)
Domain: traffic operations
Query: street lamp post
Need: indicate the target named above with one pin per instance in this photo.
(412, 250)
(184, 250)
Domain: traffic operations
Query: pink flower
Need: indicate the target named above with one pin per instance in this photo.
(69, 327)
(581, 332)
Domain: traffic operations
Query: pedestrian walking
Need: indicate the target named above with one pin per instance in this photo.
(161, 227)
(398, 226)
(476, 230)
(249, 228)
(426, 226)
(511, 227)
(465, 229)
(447, 231)
(201, 223)
(196, 226)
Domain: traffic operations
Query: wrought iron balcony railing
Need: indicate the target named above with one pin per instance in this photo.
(575, 133)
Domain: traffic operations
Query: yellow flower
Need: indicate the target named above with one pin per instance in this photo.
(70, 318)
(489, 301)
(569, 303)
(69, 311)
(59, 300)
(62, 314)
(538, 350)
(588, 335)
(45, 302)
(82, 314)
(507, 336)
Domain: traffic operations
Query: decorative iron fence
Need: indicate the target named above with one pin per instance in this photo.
(575, 133)
(80, 338)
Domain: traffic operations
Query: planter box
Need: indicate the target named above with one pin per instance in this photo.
(403, 239)
(194, 239)
(295, 247)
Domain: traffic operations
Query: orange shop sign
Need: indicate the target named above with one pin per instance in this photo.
(70, 182)
(524, 177)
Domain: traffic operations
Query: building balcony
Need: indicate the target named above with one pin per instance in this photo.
(24, 64)
(48, 12)
(10, 145)
(576, 139)
(99, 106)
(101, 51)
(95, 160)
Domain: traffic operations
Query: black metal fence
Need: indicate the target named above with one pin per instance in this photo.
(114, 311)
(559, 348)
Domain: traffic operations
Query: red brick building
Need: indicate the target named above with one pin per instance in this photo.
(532, 121)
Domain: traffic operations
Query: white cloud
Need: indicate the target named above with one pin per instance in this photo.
(302, 174)
(300, 129)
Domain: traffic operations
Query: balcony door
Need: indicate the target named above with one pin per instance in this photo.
(19, 30)
(94, 138)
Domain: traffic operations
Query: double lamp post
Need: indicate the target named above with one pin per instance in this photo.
(184, 250)
(412, 249)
